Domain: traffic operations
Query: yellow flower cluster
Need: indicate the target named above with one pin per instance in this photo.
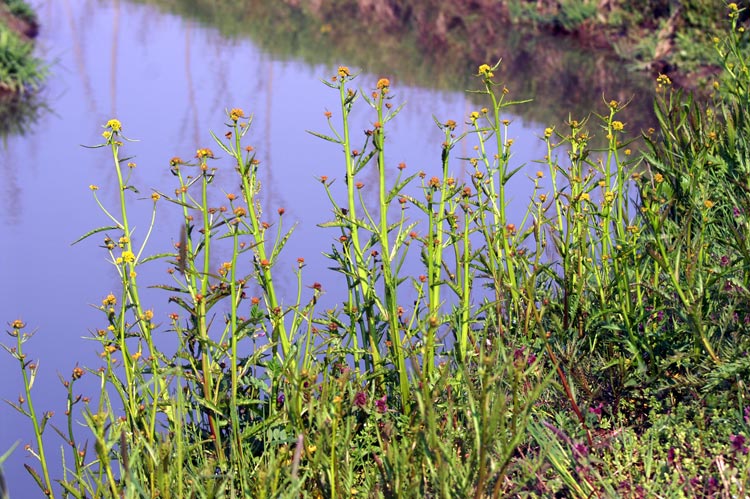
(617, 126)
(663, 81)
(204, 153)
(236, 113)
(114, 125)
(127, 257)
(486, 71)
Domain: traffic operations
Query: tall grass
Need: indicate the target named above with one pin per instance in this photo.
(572, 350)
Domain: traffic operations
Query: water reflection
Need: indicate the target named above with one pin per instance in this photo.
(434, 48)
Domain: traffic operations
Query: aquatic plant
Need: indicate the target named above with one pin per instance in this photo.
(572, 350)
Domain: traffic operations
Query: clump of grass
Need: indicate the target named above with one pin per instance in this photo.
(565, 351)
(20, 70)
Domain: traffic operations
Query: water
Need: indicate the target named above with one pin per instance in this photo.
(169, 79)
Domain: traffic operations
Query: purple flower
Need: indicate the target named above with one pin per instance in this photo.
(381, 404)
(724, 261)
(747, 414)
(360, 399)
(596, 410)
(738, 444)
(280, 399)
(580, 450)
(736, 211)
(671, 454)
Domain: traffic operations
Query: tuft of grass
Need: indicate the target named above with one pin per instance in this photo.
(20, 71)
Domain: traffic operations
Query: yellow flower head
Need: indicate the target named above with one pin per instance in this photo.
(236, 113)
(617, 126)
(474, 116)
(128, 256)
(708, 204)
(383, 84)
(663, 80)
(204, 153)
(344, 71)
(94, 187)
(548, 132)
(486, 71)
(109, 300)
(450, 124)
(114, 125)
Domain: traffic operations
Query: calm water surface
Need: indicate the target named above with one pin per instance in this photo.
(169, 81)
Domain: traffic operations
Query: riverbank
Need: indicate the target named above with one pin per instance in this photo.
(20, 70)
(654, 36)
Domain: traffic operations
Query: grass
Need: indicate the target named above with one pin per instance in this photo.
(20, 71)
(594, 347)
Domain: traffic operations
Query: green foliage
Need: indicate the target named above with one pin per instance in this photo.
(20, 71)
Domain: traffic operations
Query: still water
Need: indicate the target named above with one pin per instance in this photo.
(169, 79)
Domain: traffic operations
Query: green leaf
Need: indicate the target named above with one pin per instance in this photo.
(324, 137)
(95, 231)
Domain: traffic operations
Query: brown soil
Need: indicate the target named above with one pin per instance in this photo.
(23, 28)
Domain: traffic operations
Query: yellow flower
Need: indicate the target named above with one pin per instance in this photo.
(609, 196)
(236, 113)
(155, 196)
(110, 299)
(450, 124)
(658, 178)
(548, 132)
(204, 153)
(18, 324)
(115, 125)
(128, 256)
(94, 187)
(474, 116)
(708, 204)
(107, 134)
(344, 71)
(486, 71)
(617, 126)
(663, 80)
(383, 84)
(585, 196)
